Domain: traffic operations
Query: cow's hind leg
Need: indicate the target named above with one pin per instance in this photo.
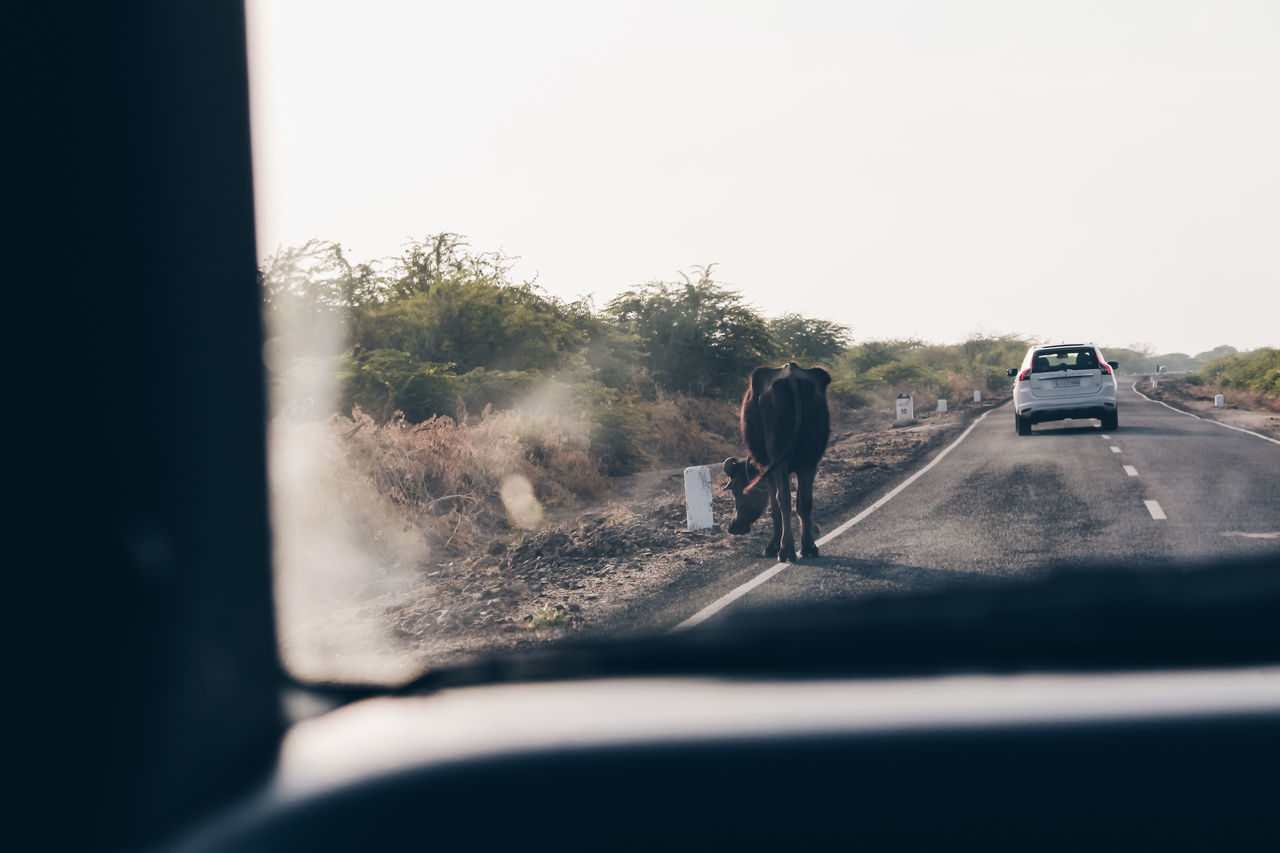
(771, 550)
(804, 509)
(787, 553)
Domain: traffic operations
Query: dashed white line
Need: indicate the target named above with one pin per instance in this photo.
(1157, 513)
(1131, 471)
(1115, 449)
(1107, 437)
(737, 592)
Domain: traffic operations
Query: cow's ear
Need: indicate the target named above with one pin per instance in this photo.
(821, 376)
(751, 469)
(760, 378)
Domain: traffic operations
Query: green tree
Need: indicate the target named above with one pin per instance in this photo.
(311, 294)
(613, 355)
(871, 354)
(448, 304)
(808, 340)
(474, 324)
(698, 337)
(445, 257)
(1209, 356)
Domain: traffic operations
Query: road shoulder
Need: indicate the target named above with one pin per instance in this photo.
(1199, 401)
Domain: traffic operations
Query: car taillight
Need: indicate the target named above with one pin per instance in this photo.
(1024, 375)
(1104, 367)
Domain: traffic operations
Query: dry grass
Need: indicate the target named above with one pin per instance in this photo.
(447, 476)
(1238, 398)
(388, 531)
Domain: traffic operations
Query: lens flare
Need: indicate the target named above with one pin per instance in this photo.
(522, 507)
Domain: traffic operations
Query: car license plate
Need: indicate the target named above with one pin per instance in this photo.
(1064, 383)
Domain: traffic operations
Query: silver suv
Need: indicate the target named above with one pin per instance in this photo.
(1060, 381)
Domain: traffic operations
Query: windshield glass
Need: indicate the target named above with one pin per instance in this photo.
(522, 261)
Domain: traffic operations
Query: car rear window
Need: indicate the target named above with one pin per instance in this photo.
(1079, 358)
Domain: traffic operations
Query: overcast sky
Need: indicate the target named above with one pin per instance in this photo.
(1105, 171)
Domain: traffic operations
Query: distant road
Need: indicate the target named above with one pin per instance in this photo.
(1165, 488)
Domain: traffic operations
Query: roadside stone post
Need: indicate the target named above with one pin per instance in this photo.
(977, 396)
(1219, 401)
(906, 409)
(697, 497)
(942, 406)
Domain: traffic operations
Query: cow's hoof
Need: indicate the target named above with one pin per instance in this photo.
(809, 551)
(770, 551)
(788, 555)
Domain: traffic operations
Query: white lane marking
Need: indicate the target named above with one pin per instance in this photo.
(1251, 535)
(1115, 449)
(734, 594)
(1157, 513)
(1107, 437)
(1131, 471)
(1206, 420)
(898, 488)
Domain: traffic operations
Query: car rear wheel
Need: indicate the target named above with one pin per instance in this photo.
(1111, 421)
(1021, 424)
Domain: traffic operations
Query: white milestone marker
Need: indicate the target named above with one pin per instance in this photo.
(697, 497)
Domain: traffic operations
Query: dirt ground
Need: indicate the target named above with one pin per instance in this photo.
(1241, 409)
(591, 563)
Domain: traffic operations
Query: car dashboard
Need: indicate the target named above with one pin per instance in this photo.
(1042, 760)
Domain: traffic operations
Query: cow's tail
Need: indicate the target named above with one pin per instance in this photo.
(791, 445)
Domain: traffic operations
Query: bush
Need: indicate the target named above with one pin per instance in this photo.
(617, 439)
(1257, 371)
(697, 337)
(997, 380)
(634, 435)
(499, 389)
(548, 617)
(844, 391)
(872, 373)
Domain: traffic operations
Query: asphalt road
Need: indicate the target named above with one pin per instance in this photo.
(1162, 491)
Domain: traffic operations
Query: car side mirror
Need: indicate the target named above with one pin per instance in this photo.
(1114, 365)
(1012, 371)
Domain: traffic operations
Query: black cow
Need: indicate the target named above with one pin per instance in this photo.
(785, 425)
